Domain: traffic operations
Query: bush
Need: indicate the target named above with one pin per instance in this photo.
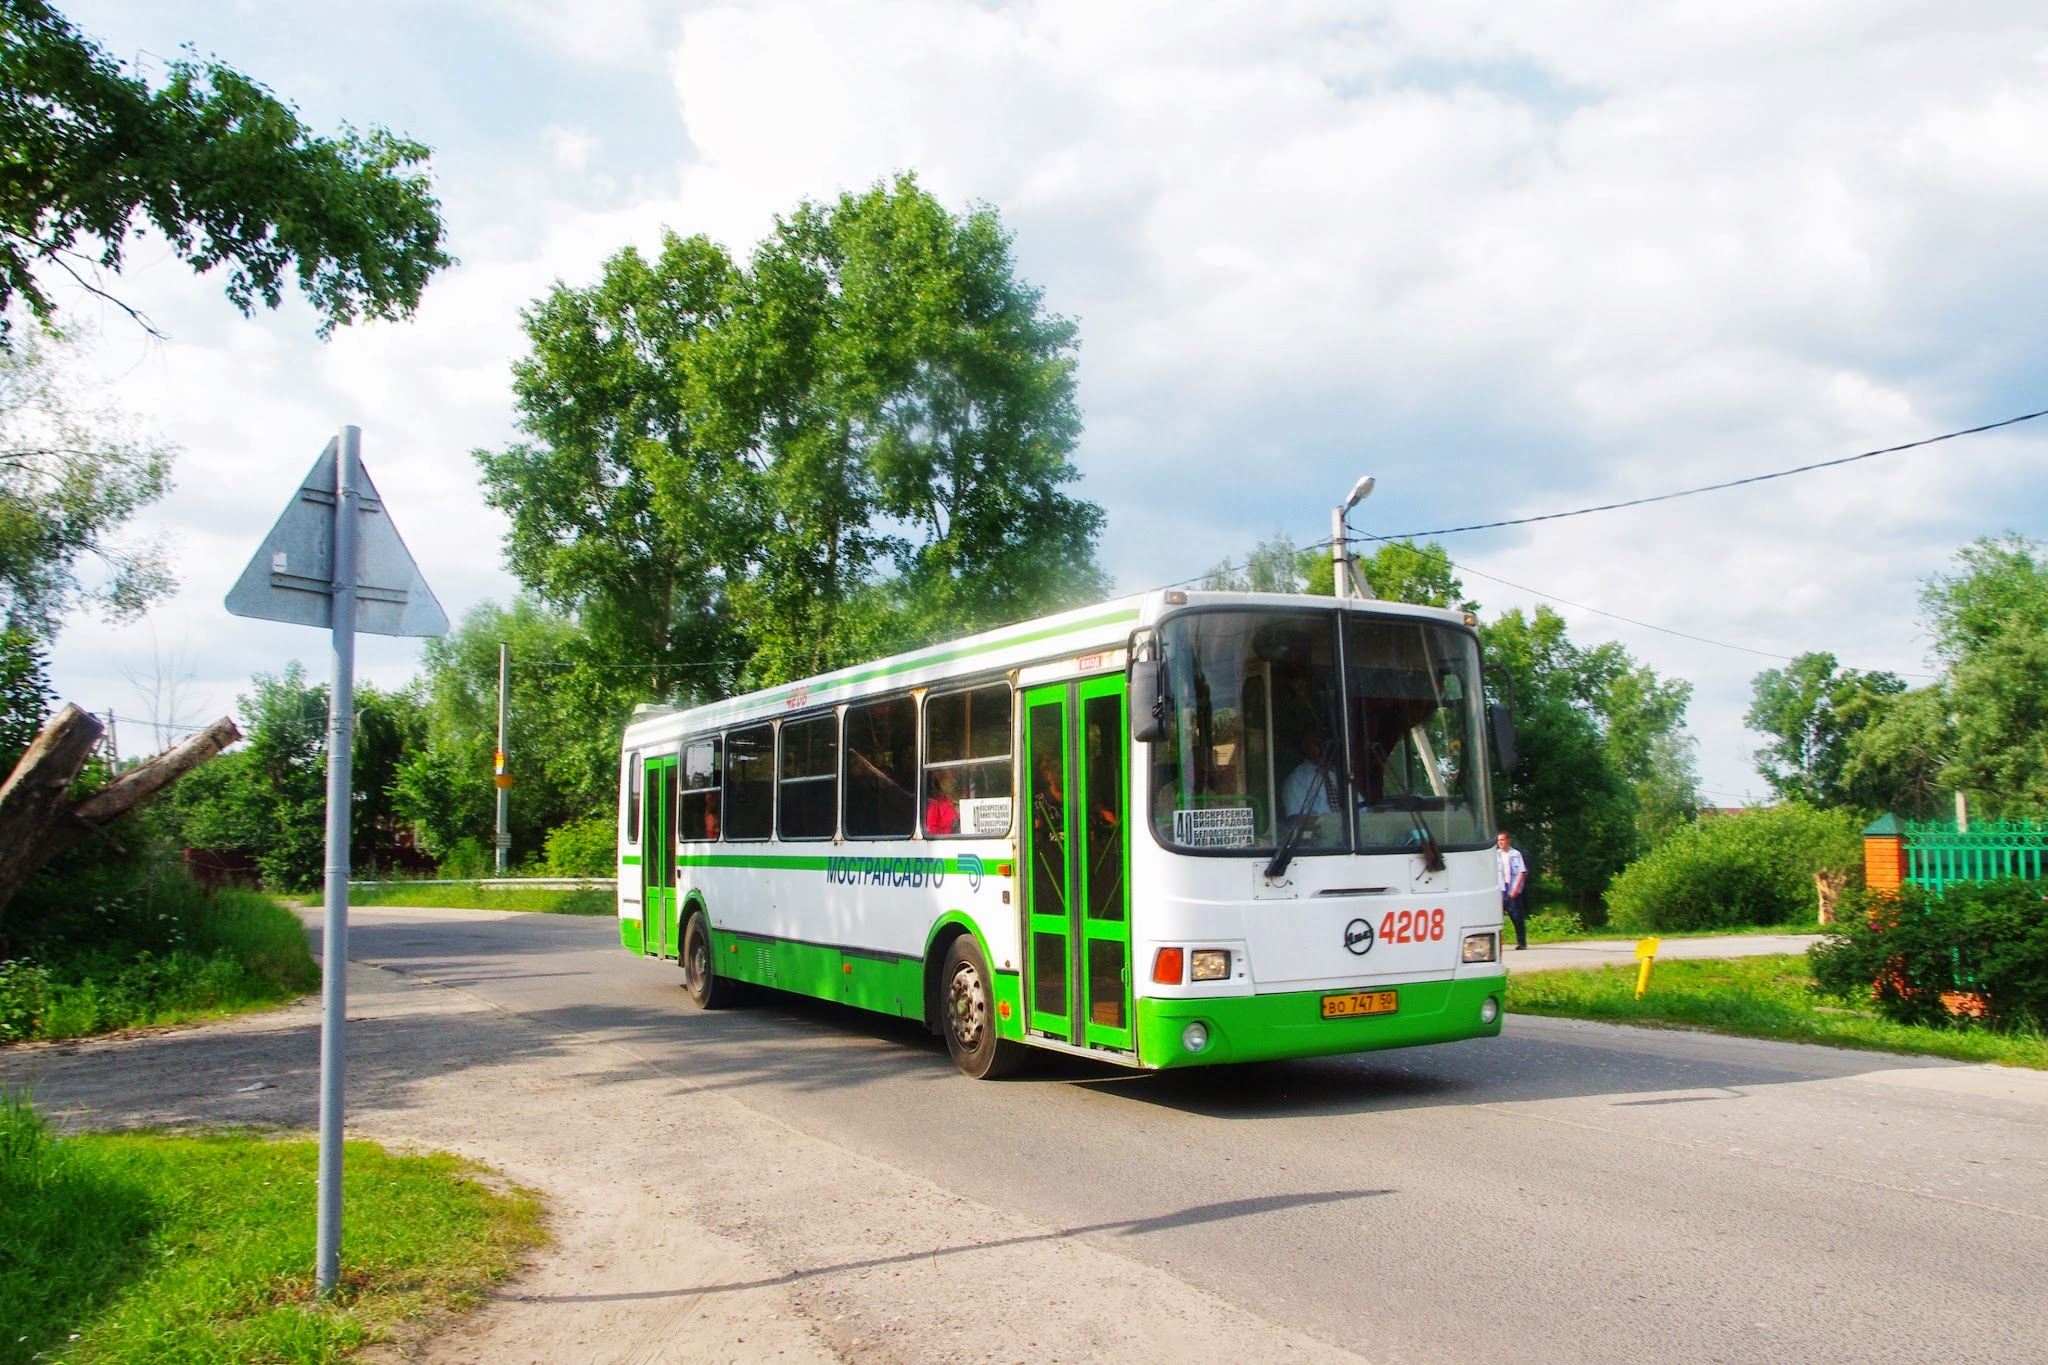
(1754, 867)
(1988, 939)
(584, 848)
(1551, 925)
(102, 951)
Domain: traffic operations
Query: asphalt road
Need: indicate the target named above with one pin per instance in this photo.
(1564, 1192)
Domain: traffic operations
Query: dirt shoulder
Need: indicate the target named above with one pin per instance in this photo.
(687, 1225)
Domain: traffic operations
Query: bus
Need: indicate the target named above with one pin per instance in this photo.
(1181, 828)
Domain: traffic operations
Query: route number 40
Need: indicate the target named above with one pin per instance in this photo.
(1412, 926)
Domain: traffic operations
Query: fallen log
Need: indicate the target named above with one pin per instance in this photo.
(38, 822)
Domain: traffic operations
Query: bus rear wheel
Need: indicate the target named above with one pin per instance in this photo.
(967, 1003)
(706, 987)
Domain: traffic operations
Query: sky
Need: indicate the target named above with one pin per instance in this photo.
(1508, 259)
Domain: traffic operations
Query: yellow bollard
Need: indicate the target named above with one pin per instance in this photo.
(1646, 953)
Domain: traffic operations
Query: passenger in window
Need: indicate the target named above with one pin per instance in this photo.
(941, 811)
(1310, 792)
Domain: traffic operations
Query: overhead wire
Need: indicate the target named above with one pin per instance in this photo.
(1730, 483)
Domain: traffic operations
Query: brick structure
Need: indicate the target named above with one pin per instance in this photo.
(1884, 856)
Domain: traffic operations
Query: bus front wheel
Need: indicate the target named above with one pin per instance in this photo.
(706, 987)
(968, 1004)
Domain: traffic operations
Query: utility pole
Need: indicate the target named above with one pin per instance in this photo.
(503, 774)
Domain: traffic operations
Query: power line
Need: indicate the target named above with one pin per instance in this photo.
(1731, 483)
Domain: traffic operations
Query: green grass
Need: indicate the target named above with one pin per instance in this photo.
(444, 896)
(1756, 997)
(168, 953)
(159, 1247)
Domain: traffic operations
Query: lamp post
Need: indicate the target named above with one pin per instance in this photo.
(1340, 557)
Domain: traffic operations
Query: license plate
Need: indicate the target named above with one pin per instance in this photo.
(1360, 1002)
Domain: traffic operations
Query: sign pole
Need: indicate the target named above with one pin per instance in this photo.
(503, 772)
(341, 726)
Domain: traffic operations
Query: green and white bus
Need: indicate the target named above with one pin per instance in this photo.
(1176, 829)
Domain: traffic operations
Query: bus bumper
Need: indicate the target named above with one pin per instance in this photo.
(1258, 1028)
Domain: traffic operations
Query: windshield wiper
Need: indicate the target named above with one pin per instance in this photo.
(1285, 853)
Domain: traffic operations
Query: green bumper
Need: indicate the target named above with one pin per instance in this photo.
(1258, 1028)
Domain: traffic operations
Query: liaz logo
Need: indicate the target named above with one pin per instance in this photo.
(970, 864)
(1358, 937)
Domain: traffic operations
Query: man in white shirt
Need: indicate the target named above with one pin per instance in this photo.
(1514, 880)
(1308, 791)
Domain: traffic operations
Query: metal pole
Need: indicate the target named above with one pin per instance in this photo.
(341, 727)
(503, 766)
(1337, 553)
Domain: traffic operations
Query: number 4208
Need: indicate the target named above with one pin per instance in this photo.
(1412, 926)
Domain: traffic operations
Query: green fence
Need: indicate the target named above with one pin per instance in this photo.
(1937, 853)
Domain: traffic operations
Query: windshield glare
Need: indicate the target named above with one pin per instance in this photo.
(1266, 741)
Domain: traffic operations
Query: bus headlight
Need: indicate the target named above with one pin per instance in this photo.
(1195, 1036)
(1489, 1010)
(1481, 948)
(1210, 964)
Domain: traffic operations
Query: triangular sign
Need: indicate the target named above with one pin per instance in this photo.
(291, 577)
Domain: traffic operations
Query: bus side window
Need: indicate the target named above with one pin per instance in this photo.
(967, 768)
(697, 808)
(633, 798)
(807, 795)
(881, 769)
(750, 783)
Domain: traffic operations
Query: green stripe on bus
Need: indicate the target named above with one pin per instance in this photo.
(769, 862)
(631, 860)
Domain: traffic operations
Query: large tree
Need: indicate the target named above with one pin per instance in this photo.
(610, 394)
(858, 441)
(1990, 625)
(223, 171)
(1812, 710)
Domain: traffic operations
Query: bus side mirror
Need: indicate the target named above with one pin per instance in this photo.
(1148, 701)
(1506, 756)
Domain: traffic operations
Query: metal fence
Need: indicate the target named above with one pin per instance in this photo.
(1937, 853)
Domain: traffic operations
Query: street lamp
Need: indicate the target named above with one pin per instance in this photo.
(1340, 557)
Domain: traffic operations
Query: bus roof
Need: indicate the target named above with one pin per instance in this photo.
(1101, 627)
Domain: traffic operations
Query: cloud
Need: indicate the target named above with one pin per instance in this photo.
(1507, 258)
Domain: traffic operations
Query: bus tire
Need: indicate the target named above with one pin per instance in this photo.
(967, 1012)
(706, 987)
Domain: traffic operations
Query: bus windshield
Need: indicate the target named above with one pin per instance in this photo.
(1276, 729)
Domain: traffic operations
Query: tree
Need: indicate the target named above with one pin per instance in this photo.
(269, 796)
(70, 477)
(910, 407)
(1569, 805)
(1990, 624)
(223, 171)
(858, 442)
(1898, 761)
(1398, 571)
(568, 709)
(1812, 710)
(609, 394)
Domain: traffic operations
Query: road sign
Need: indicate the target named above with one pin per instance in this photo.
(335, 561)
(291, 579)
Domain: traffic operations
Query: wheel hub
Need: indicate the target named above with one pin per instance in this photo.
(968, 1008)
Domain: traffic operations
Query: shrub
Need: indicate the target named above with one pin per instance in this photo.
(23, 989)
(584, 848)
(467, 859)
(1750, 868)
(1988, 939)
(1556, 924)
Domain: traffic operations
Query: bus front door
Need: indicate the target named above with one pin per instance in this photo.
(658, 859)
(1076, 895)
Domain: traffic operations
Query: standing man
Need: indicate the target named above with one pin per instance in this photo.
(1514, 880)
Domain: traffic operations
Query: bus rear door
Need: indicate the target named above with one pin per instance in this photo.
(658, 859)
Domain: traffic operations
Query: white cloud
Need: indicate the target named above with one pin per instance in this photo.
(1510, 258)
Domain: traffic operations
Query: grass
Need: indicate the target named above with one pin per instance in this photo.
(162, 953)
(449, 896)
(1755, 997)
(161, 1247)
